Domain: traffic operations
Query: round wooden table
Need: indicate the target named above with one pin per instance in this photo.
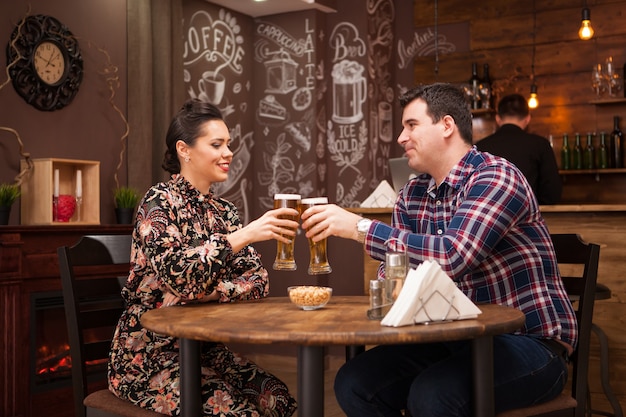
(343, 321)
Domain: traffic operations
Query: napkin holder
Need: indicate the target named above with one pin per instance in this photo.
(429, 296)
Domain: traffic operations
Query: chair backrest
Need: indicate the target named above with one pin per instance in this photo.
(92, 274)
(580, 284)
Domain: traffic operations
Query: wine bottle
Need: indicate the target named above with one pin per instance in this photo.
(486, 92)
(616, 145)
(474, 84)
(577, 154)
(589, 156)
(565, 157)
(603, 153)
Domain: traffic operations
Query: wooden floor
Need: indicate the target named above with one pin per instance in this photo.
(284, 367)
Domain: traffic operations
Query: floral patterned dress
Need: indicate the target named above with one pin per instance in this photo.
(179, 246)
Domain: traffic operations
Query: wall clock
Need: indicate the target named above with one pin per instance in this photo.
(44, 62)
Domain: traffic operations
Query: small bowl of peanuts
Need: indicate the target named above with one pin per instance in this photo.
(309, 297)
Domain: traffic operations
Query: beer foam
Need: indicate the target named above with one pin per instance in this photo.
(287, 196)
(315, 200)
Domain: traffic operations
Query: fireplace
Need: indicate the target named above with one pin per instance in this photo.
(50, 362)
(32, 320)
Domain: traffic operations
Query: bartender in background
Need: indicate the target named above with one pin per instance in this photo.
(532, 154)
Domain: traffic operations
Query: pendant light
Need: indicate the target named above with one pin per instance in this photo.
(586, 31)
(533, 101)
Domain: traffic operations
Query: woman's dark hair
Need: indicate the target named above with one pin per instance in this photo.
(186, 126)
(443, 99)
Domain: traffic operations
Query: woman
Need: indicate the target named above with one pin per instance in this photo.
(189, 246)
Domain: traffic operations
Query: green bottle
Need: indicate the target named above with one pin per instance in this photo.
(565, 156)
(577, 154)
(603, 153)
(589, 156)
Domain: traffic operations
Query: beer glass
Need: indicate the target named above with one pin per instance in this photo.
(285, 260)
(318, 260)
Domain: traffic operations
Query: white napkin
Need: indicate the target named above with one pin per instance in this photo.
(429, 295)
(383, 196)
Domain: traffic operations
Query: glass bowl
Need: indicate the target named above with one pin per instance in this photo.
(309, 297)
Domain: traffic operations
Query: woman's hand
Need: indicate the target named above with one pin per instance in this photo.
(169, 299)
(274, 224)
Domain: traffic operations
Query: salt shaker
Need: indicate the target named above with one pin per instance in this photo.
(376, 299)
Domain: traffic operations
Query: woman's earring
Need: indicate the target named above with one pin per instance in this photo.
(186, 159)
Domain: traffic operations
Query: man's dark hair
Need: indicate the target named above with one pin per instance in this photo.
(513, 105)
(443, 99)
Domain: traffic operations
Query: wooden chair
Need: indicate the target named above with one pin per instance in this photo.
(92, 274)
(570, 249)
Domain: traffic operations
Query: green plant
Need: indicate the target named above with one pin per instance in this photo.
(126, 197)
(8, 194)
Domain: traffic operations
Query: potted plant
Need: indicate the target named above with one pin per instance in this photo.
(8, 194)
(126, 199)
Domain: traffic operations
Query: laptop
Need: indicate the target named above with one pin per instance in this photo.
(401, 173)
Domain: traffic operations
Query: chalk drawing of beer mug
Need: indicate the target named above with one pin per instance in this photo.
(349, 92)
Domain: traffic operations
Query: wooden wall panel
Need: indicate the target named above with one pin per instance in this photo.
(500, 34)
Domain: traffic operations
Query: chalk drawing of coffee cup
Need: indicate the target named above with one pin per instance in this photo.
(349, 92)
(211, 87)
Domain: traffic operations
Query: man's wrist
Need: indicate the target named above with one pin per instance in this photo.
(362, 227)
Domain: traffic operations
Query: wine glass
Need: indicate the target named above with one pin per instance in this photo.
(598, 80)
(484, 90)
(613, 81)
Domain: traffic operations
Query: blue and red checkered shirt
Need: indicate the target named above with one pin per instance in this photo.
(483, 226)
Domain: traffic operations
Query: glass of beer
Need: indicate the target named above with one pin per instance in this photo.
(285, 259)
(318, 261)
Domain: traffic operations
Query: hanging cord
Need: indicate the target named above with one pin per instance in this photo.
(532, 65)
(436, 42)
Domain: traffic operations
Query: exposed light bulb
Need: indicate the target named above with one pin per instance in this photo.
(586, 31)
(533, 101)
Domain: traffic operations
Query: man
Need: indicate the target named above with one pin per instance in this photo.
(532, 154)
(475, 215)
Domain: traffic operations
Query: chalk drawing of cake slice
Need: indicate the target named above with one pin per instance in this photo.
(269, 107)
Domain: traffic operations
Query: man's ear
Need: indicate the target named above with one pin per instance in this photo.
(448, 125)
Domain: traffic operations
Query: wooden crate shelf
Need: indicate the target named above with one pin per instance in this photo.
(38, 189)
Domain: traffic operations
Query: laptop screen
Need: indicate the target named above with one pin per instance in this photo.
(401, 173)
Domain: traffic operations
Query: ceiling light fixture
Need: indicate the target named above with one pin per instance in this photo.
(586, 31)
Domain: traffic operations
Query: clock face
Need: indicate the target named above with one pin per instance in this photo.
(44, 62)
(49, 62)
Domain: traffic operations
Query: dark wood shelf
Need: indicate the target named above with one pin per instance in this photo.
(481, 112)
(603, 101)
(592, 171)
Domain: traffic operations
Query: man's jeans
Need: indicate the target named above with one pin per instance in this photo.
(432, 380)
